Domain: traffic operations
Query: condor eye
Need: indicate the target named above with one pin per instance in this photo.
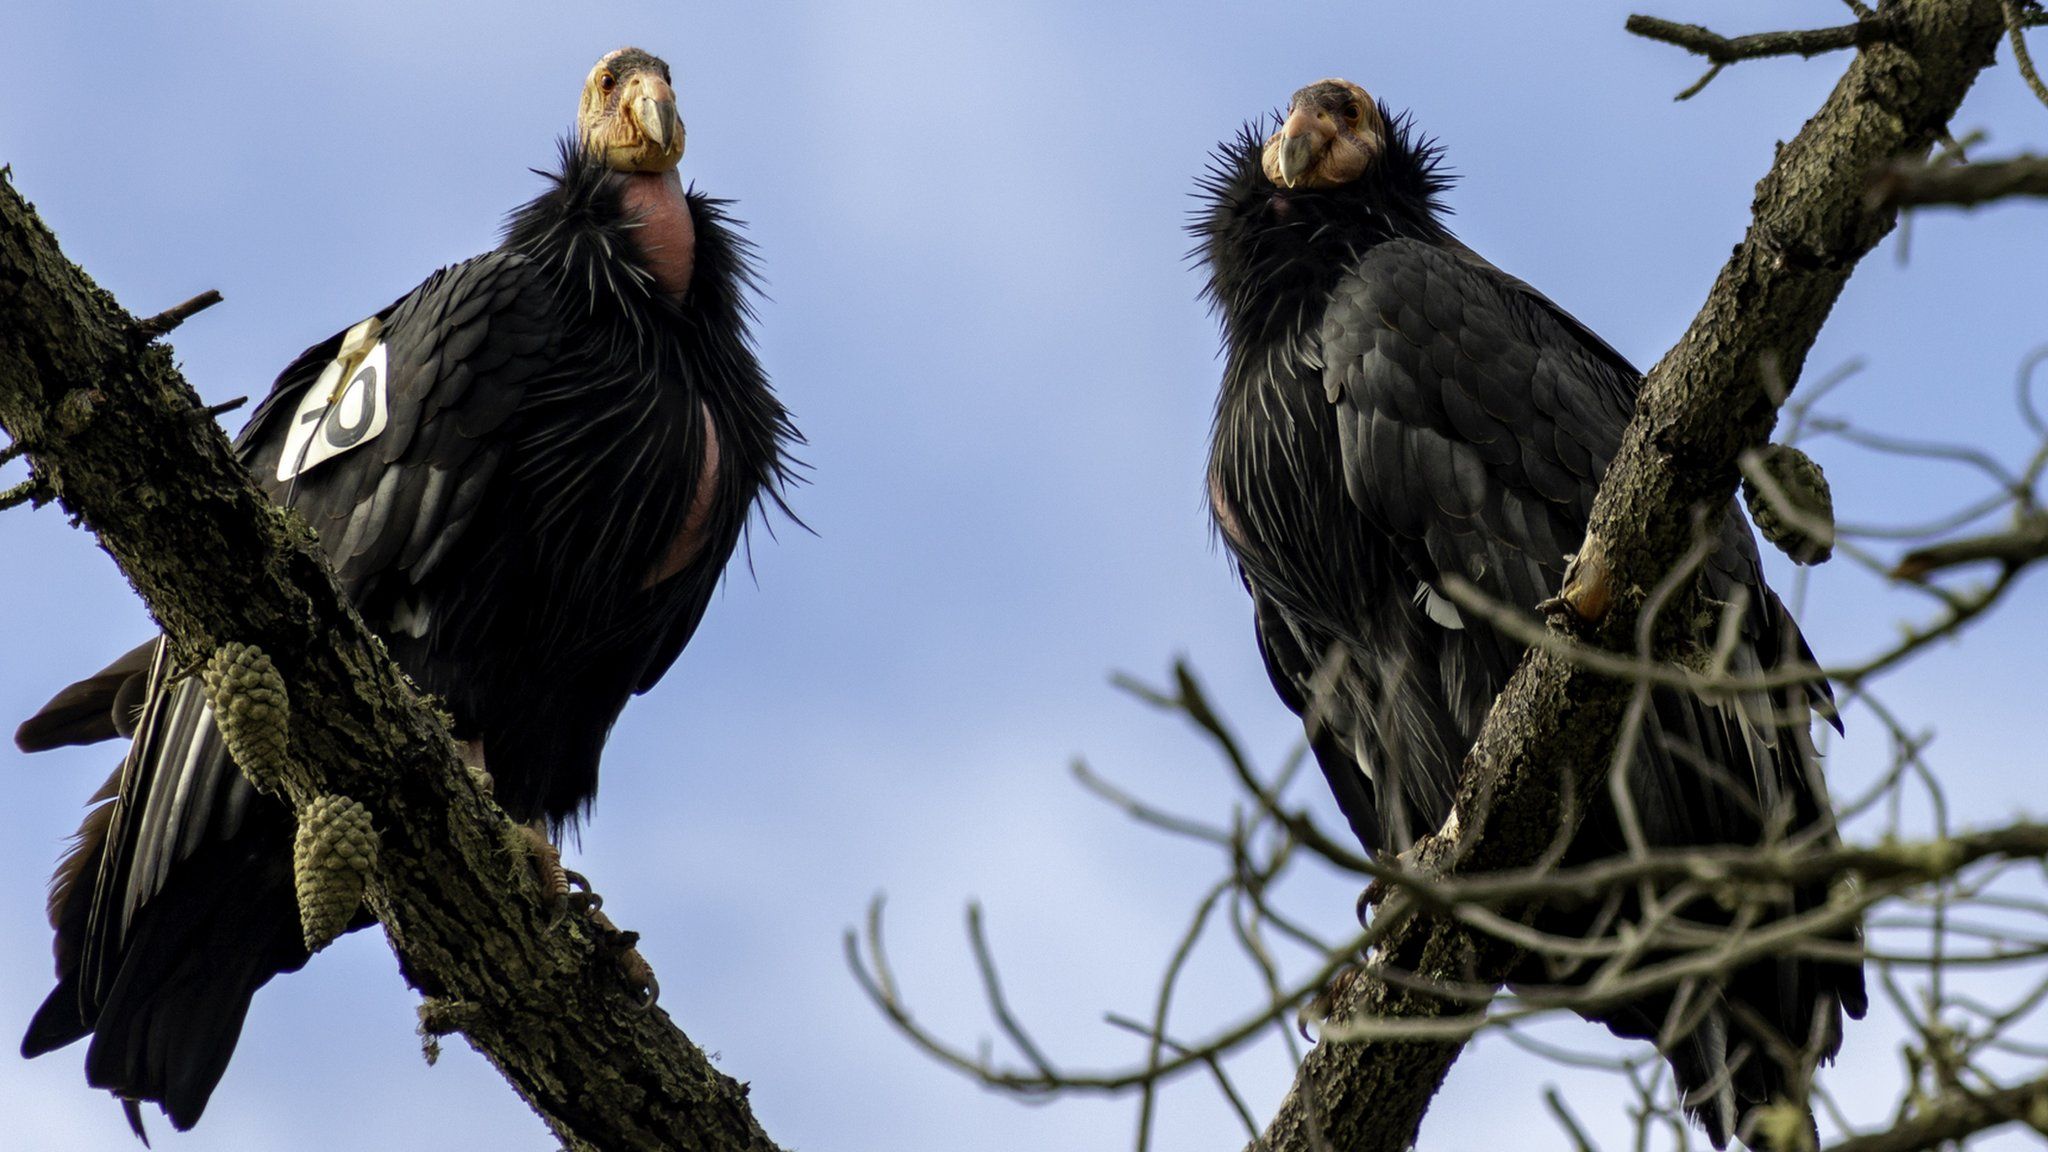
(1351, 112)
(607, 82)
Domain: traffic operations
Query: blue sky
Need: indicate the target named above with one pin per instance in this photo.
(981, 314)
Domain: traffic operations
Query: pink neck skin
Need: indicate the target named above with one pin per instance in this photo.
(689, 543)
(666, 236)
(668, 246)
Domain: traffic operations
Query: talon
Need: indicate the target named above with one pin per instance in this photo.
(1375, 893)
(641, 975)
(546, 860)
(633, 966)
(584, 898)
(1588, 590)
(1324, 1003)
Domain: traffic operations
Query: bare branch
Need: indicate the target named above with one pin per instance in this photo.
(1956, 1116)
(1145, 813)
(2015, 548)
(998, 1004)
(1905, 183)
(1719, 49)
(29, 491)
(1722, 50)
(1570, 1123)
(163, 322)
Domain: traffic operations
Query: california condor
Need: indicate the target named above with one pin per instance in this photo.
(529, 473)
(1394, 411)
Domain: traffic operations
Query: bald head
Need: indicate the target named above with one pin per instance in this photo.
(1330, 136)
(628, 113)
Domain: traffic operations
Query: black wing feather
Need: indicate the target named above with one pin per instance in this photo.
(1429, 397)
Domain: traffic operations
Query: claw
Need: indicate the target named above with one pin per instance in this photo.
(633, 966)
(584, 898)
(546, 861)
(1375, 893)
(1324, 1003)
(566, 891)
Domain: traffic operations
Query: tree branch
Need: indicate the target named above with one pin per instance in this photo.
(1719, 49)
(1704, 403)
(114, 432)
(1964, 185)
(2023, 544)
(1958, 1115)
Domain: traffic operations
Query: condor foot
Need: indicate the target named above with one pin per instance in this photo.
(619, 944)
(564, 891)
(1324, 1004)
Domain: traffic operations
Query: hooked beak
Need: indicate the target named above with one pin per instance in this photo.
(651, 105)
(1304, 136)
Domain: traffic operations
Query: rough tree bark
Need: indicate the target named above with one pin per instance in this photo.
(117, 437)
(1710, 398)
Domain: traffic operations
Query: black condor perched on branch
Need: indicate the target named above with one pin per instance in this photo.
(529, 473)
(1396, 411)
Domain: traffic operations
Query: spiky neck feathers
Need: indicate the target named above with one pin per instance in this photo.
(585, 229)
(1272, 252)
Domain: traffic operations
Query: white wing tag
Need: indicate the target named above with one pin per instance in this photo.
(344, 409)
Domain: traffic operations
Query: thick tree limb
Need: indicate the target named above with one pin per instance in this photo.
(1538, 759)
(1964, 185)
(117, 436)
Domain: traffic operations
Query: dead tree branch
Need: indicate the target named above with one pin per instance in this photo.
(2023, 544)
(1719, 49)
(120, 439)
(1722, 51)
(1957, 1116)
(1904, 184)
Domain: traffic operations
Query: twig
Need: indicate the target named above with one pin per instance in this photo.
(214, 411)
(998, 1005)
(1904, 182)
(2015, 25)
(1192, 701)
(1723, 50)
(1223, 1084)
(164, 321)
(1956, 1116)
(29, 491)
(1144, 813)
(2023, 544)
(1570, 1123)
(1163, 1005)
